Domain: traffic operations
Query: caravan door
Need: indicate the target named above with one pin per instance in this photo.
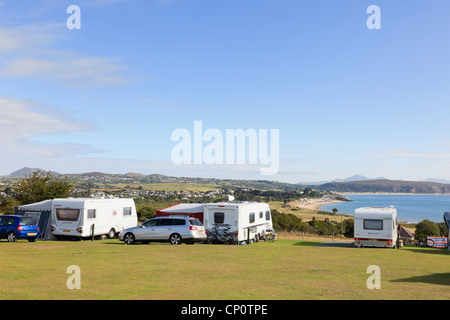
(222, 216)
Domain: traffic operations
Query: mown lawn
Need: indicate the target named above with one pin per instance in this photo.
(285, 269)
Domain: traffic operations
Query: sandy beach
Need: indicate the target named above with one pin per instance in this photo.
(315, 204)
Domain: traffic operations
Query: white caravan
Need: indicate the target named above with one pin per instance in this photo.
(77, 217)
(248, 221)
(376, 227)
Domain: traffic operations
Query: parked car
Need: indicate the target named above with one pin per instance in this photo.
(174, 229)
(18, 227)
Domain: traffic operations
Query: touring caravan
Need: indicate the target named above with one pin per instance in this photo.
(375, 227)
(248, 221)
(78, 217)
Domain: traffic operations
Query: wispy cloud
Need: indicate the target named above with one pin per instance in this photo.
(69, 71)
(21, 120)
(29, 52)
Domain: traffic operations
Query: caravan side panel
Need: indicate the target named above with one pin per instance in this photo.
(75, 217)
(250, 220)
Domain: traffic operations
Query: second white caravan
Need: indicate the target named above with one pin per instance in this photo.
(77, 217)
(376, 227)
(248, 221)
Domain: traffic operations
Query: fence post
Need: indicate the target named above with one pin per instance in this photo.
(92, 231)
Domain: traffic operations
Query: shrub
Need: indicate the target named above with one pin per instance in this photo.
(145, 213)
(426, 228)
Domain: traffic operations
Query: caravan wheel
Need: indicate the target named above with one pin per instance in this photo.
(111, 233)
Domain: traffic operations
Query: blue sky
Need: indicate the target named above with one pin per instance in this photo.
(345, 99)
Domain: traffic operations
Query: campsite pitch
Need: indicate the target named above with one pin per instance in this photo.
(285, 269)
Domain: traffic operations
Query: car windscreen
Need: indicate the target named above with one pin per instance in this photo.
(27, 221)
(67, 214)
(195, 222)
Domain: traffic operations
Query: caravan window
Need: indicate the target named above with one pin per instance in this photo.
(251, 217)
(127, 211)
(373, 224)
(91, 214)
(67, 214)
(261, 214)
(268, 215)
(219, 217)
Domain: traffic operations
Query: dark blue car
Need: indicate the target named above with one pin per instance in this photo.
(18, 227)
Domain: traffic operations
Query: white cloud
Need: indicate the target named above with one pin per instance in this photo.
(29, 51)
(21, 120)
(69, 71)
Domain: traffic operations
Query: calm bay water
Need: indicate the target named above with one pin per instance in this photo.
(410, 208)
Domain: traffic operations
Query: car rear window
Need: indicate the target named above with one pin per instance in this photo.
(195, 222)
(27, 221)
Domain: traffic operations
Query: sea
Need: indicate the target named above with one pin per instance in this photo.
(410, 208)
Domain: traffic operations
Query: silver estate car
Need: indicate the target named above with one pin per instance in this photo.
(174, 229)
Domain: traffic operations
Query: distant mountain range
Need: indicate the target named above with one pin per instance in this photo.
(386, 186)
(359, 177)
(356, 183)
(27, 171)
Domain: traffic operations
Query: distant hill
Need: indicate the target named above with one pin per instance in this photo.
(88, 174)
(437, 180)
(389, 186)
(26, 171)
(358, 177)
(134, 174)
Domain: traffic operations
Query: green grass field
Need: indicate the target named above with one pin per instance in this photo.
(285, 269)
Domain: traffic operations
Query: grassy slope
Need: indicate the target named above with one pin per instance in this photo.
(286, 269)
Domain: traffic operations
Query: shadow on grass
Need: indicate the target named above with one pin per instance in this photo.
(435, 278)
(441, 251)
(307, 243)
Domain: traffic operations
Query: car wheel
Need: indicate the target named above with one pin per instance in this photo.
(175, 239)
(129, 238)
(111, 234)
(31, 239)
(11, 237)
